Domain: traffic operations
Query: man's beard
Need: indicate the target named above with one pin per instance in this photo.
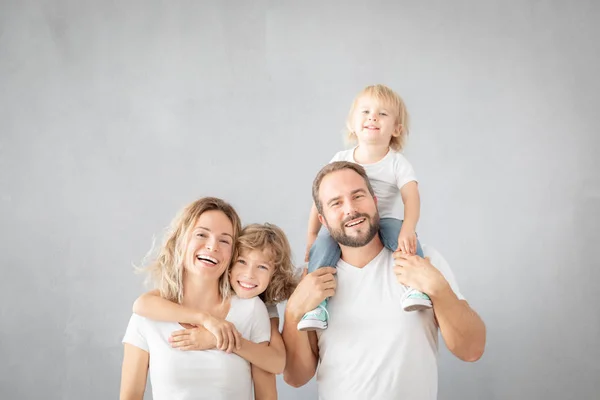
(340, 236)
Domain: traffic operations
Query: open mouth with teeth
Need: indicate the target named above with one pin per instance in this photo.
(207, 259)
(246, 285)
(354, 222)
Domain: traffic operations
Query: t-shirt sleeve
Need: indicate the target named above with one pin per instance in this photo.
(442, 265)
(261, 323)
(403, 171)
(272, 310)
(339, 156)
(136, 332)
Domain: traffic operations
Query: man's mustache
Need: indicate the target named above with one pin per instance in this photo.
(355, 216)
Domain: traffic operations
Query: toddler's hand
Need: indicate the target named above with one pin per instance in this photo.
(407, 242)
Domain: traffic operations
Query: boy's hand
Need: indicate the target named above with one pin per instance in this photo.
(193, 339)
(227, 336)
(407, 241)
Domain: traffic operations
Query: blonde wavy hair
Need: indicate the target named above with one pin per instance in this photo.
(391, 99)
(166, 269)
(270, 238)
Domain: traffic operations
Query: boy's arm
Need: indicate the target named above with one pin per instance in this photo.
(265, 386)
(151, 305)
(314, 225)
(134, 373)
(270, 357)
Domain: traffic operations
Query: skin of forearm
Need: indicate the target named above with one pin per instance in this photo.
(301, 362)
(263, 356)
(461, 328)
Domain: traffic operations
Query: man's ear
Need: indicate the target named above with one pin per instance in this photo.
(375, 199)
(322, 220)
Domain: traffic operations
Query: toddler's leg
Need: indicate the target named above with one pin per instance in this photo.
(389, 230)
(325, 252)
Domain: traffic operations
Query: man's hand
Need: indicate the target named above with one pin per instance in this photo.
(312, 290)
(193, 339)
(418, 273)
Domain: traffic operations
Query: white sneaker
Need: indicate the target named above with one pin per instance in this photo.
(413, 300)
(314, 320)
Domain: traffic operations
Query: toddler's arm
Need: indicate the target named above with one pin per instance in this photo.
(314, 225)
(407, 240)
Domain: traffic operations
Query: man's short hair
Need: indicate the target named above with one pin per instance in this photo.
(333, 167)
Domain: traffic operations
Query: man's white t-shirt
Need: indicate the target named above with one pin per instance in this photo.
(195, 375)
(387, 176)
(372, 348)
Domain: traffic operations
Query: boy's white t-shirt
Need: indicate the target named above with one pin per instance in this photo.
(387, 176)
(195, 375)
(372, 348)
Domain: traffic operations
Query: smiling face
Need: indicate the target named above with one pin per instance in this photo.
(210, 245)
(374, 122)
(349, 211)
(251, 273)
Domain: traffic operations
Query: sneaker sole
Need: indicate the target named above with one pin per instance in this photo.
(416, 304)
(307, 325)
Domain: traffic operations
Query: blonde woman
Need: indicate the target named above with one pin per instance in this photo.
(191, 270)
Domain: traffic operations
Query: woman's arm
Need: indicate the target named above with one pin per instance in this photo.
(265, 385)
(270, 358)
(134, 373)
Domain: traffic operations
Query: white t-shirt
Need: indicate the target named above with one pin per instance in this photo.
(372, 348)
(387, 176)
(195, 375)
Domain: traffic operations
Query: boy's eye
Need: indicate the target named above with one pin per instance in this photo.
(243, 262)
(263, 267)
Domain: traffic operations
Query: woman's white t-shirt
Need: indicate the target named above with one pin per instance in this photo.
(195, 375)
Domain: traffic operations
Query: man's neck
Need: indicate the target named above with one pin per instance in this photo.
(360, 256)
(370, 153)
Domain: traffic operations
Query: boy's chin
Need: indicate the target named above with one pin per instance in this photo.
(245, 295)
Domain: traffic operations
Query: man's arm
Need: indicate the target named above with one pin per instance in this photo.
(462, 329)
(302, 353)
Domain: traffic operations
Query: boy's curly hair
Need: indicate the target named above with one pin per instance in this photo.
(270, 238)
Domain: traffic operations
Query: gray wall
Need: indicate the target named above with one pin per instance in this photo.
(113, 115)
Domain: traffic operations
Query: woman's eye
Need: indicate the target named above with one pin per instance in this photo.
(225, 241)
